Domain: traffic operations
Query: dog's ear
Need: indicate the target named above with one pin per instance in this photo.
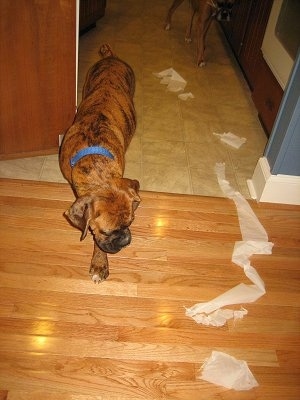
(132, 187)
(79, 214)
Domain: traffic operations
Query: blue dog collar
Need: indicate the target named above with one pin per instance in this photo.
(90, 151)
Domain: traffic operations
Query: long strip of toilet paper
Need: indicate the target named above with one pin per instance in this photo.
(255, 241)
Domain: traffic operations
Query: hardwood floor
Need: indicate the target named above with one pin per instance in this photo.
(64, 338)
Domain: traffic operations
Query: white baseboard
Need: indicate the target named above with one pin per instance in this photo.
(267, 188)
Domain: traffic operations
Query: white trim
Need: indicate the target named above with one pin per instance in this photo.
(274, 52)
(268, 188)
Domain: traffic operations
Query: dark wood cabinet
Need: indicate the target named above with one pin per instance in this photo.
(245, 33)
(250, 53)
(89, 12)
(235, 29)
(267, 95)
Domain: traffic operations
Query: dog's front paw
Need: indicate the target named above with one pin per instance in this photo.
(99, 269)
(98, 274)
(167, 26)
(188, 39)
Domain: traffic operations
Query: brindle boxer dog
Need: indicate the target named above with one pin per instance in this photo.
(206, 10)
(92, 158)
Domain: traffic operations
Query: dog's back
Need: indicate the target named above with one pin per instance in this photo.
(110, 72)
(110, 83)
(106, 115)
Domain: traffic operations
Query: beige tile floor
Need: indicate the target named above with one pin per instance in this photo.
(174, 149)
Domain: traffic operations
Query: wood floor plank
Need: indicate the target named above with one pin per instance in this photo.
(140, 351)
(62, 337)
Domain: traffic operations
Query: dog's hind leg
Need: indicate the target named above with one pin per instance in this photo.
(203, 25)
(172, 9)
(188, 33)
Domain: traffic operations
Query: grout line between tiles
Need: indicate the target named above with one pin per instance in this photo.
(42, 169)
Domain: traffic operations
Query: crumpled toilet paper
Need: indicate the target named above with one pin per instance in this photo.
(172, 79)
(231, 139)
(185, 96)
(225, 370)
(215, 318)
(255, 241)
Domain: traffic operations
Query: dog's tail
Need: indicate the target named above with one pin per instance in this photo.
(106, 51)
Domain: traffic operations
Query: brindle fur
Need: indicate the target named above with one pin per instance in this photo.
(105, 201)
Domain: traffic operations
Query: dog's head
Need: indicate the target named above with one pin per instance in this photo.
(224, 9)
(108, 214)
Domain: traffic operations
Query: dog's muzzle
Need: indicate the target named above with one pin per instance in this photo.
(116, 241)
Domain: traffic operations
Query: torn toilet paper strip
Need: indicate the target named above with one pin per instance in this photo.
(219, 317)
(225, 370)
(255, 241)
(172, 79)
(251, 228)
(231, 139)
(185, 96)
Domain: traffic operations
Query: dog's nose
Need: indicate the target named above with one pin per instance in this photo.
(125, 238)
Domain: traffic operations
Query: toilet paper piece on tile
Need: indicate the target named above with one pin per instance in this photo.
(225, 370)
(185, 96)
(231, 139)
(172, 79)
(255, 241)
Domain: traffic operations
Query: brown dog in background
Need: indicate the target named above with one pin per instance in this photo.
(206, 10)
(92, 159)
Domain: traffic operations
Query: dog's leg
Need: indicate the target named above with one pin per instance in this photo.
(203, 24)
(188, 33)
(99, 270)
(204, 41)
(172, 9)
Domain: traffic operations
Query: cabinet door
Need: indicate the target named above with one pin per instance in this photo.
(38, 74)
(267, 95)
(250, 53)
